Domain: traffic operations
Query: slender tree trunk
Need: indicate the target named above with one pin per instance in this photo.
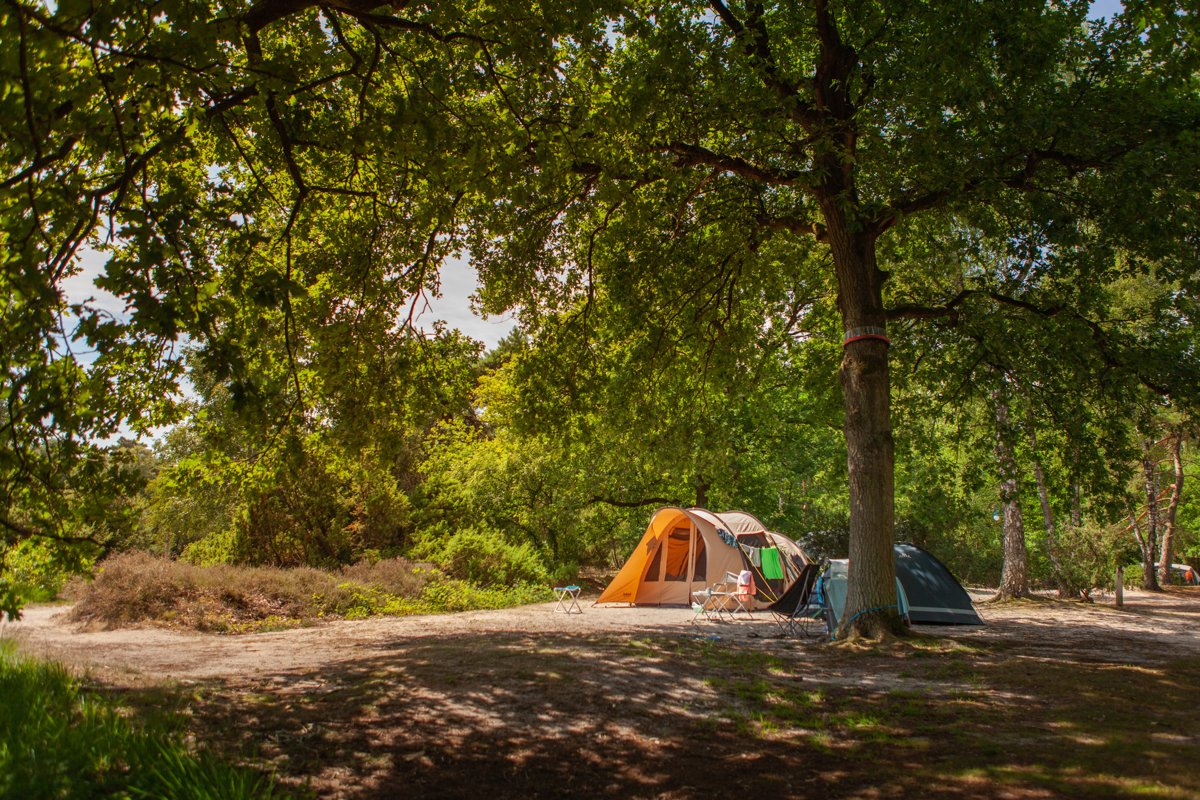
(1051, 528)
(702, 486)
(1047, 511)
(1014, 575)
(871, 603)
(1149, 541)
(1168, 537)
(1143, 544)
(1076, 501)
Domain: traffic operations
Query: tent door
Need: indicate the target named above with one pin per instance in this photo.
(677, 561)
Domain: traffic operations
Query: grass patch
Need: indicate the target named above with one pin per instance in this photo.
(132, 588)
(60, 741)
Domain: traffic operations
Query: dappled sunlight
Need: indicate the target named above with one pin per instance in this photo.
(1049, 700)
(667, 717)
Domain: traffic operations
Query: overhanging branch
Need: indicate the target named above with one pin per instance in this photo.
(1101, 339)
(692, 155)
(756, 44)
(645, 501)
(908, 203)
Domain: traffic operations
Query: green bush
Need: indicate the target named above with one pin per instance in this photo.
(35, 571)
(483, 558)
(58, 741)
(222, 547)
(454, 595)
(564, 574)
(1086, 558)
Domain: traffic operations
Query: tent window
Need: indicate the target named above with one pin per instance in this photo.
(701, 569)
(677, 554)
(652, 571)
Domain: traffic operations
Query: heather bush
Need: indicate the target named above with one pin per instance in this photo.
(136, 587)
(130, 588)
(397, 575)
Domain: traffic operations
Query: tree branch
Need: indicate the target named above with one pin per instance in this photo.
(29, 533)
(265, 12)
(1021, 180)
(645, 501)
(1099, 336)
(756, 44)
(950, 308)
(691, 155)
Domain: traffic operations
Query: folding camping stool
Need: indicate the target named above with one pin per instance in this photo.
(701, 605)
(710, 604)
(568, 599)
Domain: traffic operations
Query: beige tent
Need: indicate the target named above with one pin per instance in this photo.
(683, 551)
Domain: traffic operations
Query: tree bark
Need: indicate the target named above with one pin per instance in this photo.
(1014, 574)
(702, 486)
(1076, 499)
(850, 229)
(1149, 541)
(1047, 514)
(1168, 537)
(871, 603)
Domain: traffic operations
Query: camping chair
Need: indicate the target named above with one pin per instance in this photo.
(797, 610)
(744, 595)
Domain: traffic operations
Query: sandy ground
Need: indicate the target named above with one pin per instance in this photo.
(643, 703)
(1150, 628)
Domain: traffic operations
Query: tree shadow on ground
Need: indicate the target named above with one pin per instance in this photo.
(680, 715)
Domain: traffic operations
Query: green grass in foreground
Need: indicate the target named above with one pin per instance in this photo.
(58, 740)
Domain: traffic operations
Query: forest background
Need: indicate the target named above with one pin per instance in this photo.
(275, 193)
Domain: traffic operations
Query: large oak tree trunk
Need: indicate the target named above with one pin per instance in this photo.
(871, 603)
(1014, 574)
(1168, 537)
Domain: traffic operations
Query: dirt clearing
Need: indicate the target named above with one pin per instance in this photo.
(1049, 699)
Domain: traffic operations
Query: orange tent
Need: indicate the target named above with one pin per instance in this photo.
(685, 550)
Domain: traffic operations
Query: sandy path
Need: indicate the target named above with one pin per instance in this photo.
(499, 703)
(165, 653)
(1149, 628)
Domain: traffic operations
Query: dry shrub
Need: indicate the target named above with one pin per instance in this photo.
(396, 576)
(128, 589)
(135, 587)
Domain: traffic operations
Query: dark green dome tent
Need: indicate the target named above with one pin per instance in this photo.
(935, 597)
(927, 591)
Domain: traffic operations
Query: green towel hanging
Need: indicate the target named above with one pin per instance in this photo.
(772, 566)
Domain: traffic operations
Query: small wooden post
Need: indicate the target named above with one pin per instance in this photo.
(1120, 586)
